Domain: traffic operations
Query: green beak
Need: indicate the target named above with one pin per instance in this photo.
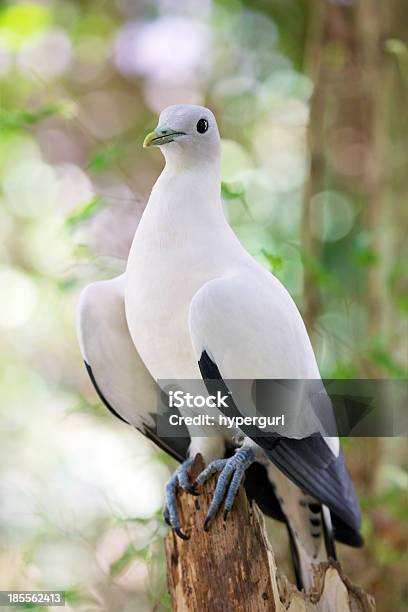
(161, 136)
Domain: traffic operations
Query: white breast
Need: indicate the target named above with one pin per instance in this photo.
(157, 312)
(168, 263)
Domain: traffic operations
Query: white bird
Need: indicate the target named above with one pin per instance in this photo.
(193, 304)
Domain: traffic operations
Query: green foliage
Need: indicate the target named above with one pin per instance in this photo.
(396, 46)
(398, 287)
(343, 370)
(20, 21)
(129, 554)
(230, 191)
(21, 119)
(383, 358)
(94, 23)
(317, 270)
(84, 212)
(74, 597)
(235, 191)
(134, 519)
(104, 159)
(365, 257)
(165, 602)
(275, 262)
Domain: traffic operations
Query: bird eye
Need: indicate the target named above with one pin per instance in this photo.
(202, 126)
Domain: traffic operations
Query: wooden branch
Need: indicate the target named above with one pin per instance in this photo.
(231, 568)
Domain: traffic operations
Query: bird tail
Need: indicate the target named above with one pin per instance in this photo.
(304, 553)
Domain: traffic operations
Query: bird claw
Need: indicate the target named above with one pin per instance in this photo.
(181, 479)
(206, 525)
(192, 490)
(231, 471)
(181, 534)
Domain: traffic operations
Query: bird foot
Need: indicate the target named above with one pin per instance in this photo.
(180, 479)
(231, 471)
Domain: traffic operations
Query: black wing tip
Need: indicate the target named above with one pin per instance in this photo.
(177, 448)
(100, 394)
(328, 483)
(208, 368)
(345, 534)
(347, 520)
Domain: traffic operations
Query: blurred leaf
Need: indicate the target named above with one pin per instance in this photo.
(402, 303)
(366, 257)
(235, 191)
(316, 269)
(396, 46)
(397, 281)
(130, 553)
(342, 370)
(362, 252)
(275, 261)
(229, 191)
(19, 119)
(130, 519)
(384, 359)
(73, 596)
(94, 23)
(396, 475)
(19, 22)
(81, 251)
(104, 159)
(165, 601)
(392, 501)
(68, 284)
(85, 212)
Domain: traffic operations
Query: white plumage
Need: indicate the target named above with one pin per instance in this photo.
(106, 344)
(189, 288)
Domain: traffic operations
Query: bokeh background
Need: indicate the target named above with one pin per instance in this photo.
(311, 102)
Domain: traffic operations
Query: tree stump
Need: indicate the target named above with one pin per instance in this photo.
(231, 568)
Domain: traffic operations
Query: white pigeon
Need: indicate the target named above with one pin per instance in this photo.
(193, 304)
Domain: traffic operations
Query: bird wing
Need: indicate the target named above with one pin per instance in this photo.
(117, 372)
(126, 387)
(246, 326)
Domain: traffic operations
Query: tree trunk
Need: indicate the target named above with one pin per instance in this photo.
(349, 144)
(231, 568)
(315, 69)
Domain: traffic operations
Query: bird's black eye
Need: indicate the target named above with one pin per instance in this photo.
(202, 126)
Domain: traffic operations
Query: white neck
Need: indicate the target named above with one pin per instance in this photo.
(192, 157)
(187, 195)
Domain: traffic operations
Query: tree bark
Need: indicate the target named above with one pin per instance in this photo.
(231, 568)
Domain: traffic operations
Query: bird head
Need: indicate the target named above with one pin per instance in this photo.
(186, 132)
